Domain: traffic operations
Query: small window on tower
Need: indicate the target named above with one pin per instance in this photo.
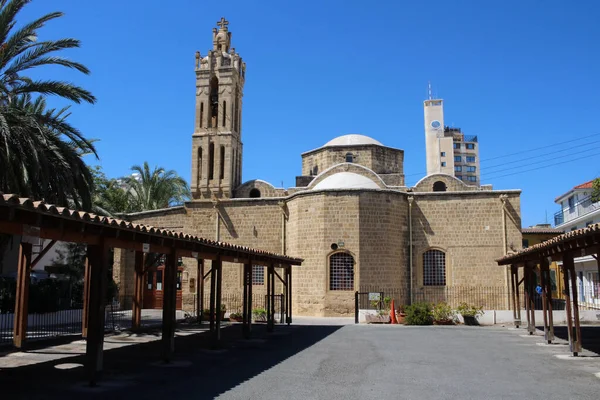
(443, 163)
(443, 154)
(349, 157)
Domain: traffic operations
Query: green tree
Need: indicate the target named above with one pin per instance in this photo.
(40, 152)
(109, 196)
(156, 189)
(596, 190)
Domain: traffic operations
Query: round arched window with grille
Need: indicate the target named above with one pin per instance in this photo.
(341, 271)
(434, 268)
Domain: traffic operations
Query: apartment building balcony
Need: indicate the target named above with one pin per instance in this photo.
(579, 209)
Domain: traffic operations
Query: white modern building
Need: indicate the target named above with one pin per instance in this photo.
(577, 210)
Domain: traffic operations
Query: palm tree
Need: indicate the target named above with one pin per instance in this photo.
(151, 190)
(40, 152)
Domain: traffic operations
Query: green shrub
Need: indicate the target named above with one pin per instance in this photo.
(467, 310)
(419, 314)
(259, 314)
(442, 312)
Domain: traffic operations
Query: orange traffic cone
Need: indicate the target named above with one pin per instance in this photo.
(393, 313)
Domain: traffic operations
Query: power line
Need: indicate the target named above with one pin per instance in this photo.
(539, 162)
(534, 169)
(542, 147)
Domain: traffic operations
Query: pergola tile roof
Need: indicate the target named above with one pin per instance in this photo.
(13, 200)
(542, 230)
(565, 242)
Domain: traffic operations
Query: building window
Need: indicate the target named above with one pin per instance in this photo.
(457, 158)
(439, 186)
(201, 113)
(574, 228)
(470, 158)
(179, 276)
(588, 223)
(341, 272)
(459, 177)
(149, 280)
(222, 164)
(443, 163)
(472, 178)
(525, 243)
(572, 204)
(224, 113)
(211, 160)
(458, 168)
(258, 275)
(443, 154)
(470, 146)
(349, 157)
(254, 193)
(434, 268)
(457, 145)
(199, 176)
(159, 277)
(471, 169)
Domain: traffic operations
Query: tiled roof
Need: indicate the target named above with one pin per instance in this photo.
(586, 185)
(12, 200)
(591, 230)
(542, 230)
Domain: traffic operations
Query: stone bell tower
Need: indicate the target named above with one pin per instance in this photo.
(217, 139)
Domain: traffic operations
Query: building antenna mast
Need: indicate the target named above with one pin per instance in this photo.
(429, 89)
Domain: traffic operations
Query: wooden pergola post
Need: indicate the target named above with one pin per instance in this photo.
(270, 297)
(218, 267)
(513, 285)
(527, 295)
(250, 298)
(98, 259)
(138, 290)
(22, 294)
(575, 336)
(213, 290)
(547, 299)
(86, 298)
(200, 291)
(567, 294)
(169, 306)
(289, 320)
(246, 316)
(286, 277)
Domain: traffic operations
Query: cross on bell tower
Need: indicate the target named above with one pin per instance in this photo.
(216, 142)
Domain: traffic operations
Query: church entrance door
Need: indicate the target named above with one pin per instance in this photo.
(154, 288)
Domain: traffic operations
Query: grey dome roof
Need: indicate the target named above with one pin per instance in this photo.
(352, 139)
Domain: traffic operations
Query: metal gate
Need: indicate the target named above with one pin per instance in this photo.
(367, 301)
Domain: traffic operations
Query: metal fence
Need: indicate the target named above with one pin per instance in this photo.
(488, 297)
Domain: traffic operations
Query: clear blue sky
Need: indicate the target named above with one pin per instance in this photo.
(519, 74)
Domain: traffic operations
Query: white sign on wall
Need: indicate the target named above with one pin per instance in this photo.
(146, 248)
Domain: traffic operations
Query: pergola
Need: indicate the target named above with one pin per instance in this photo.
(565, 248)
(28, 218)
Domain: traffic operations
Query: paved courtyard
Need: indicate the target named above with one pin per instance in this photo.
(306, 361)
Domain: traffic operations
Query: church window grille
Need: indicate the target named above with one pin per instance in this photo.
(258, 275)
(254, 193)
(439, 186)
(211, 160)
(224, 113)
(341, 272)
(434, 268)
(222, 163)
(349, 158)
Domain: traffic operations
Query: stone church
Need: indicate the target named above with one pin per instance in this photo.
(350, 216)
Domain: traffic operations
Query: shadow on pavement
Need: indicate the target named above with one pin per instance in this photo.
(590, 336)
(196, 371)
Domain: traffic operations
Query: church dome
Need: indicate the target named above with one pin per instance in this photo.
(346, 180)
(352, 139)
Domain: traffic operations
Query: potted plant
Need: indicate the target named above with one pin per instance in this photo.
(235, 316)
(469, 313)
(206, 313)
(401, 314)
(443, 314)
(259, 315)
(419, 314)
(380, 317)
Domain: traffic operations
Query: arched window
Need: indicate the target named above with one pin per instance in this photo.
(201, 113)
(214, 102)
(222, 164)
(211, 160)
(199, 176)
(315, 170)
(254, 193)
(434, 268)
(341, 272)
(224, 113)
(349, 157)
(439, 186)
